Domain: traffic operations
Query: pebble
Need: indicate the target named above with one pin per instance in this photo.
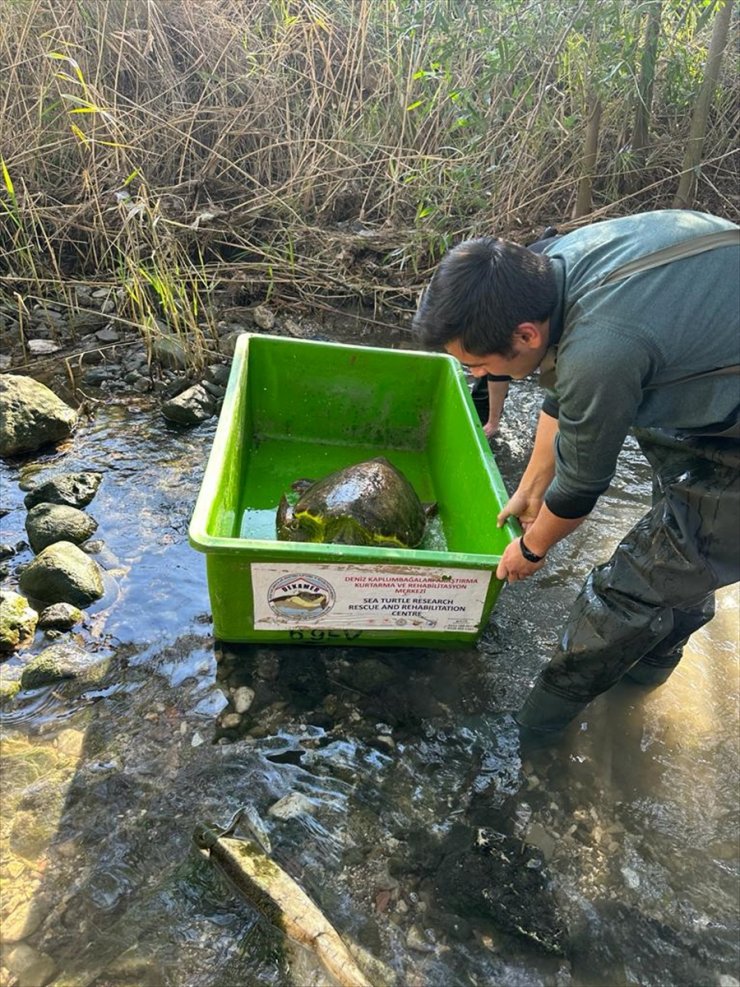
(538, 836)
(41, 347)
(108, 335)
(291, 806)
(25, 919)
(230, 720)
(263, 317)
(32, 968)
(415, 940)
(243, 698)
(631, 877)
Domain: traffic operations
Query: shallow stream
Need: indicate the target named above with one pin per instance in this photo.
(423, 831)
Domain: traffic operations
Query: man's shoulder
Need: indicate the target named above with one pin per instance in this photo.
(604, 246)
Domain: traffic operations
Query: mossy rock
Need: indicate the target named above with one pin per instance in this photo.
(63, 660)
(63, 573)
(50, 523)
(17, 621)
(31, 415)
(9, 689)
(72, 489)
(60, 617)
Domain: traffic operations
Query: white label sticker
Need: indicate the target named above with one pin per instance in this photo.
(368, 597)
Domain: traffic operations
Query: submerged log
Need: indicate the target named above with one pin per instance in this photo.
(282, 901)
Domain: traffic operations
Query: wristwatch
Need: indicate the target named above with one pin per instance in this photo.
(529, 556)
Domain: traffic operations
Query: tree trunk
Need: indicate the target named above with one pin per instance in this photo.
(643, 110)
(588, 161)
(685, 195)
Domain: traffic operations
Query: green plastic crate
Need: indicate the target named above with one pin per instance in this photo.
(295, 409)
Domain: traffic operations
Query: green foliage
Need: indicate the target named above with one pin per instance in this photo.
(170, 146)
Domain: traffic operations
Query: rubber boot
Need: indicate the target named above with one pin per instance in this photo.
(646, 673)
(545, 712)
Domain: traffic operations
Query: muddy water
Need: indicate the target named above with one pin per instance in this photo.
(430, 839)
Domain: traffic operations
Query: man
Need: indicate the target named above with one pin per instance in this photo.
(634, 324)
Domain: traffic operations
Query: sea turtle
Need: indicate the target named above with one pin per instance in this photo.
(371, 503)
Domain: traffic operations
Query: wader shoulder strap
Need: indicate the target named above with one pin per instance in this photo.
(676, 251)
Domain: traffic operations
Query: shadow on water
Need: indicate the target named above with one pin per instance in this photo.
(391, 782)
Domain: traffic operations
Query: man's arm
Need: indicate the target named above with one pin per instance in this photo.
(543, 528)
(497, 391)
(545, 532)
(529, 496)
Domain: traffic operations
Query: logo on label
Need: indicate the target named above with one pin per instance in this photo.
(301, 597)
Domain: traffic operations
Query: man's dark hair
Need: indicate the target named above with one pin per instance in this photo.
(481, 291)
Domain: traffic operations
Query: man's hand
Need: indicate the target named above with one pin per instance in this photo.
(490, 428)
(513, 566)
(522, 505)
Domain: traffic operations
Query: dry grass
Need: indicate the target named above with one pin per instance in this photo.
(302, 151)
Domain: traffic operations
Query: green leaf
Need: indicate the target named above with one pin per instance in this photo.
(7, 179)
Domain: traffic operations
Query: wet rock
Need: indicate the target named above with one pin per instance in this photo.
(485, 874)
(31, 416)
(72, 489)
(10, 682)
(243, 697)
(218, 373)
(60, 616)
(17, 621)
(301, 330)
(108, 335)
(367, 675)
(30, 967)
(87, 321)
(33, 829)
(291, 806)
(171, 388)
(50, 523)
(63, 573)
(96, 376)
(416, 940)
(41, 347)
(6, 552)
(227, 344)
(263, 317)
(169, 351)
(23, 918)
(94, 547)
(63, 660)
(229, 721)
(193, 406)
(131, 969)
(538, 836)
(215, 390)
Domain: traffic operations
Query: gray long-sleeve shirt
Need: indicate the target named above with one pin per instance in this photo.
(625, 349)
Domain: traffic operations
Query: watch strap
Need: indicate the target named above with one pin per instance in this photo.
(527, 553)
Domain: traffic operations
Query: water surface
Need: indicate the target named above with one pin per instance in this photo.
(414, 790)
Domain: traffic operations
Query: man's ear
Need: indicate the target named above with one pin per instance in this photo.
(530, 335)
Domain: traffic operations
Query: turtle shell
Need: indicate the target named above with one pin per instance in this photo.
(371, 503)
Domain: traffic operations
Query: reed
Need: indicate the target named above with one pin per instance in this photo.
(318, 153)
